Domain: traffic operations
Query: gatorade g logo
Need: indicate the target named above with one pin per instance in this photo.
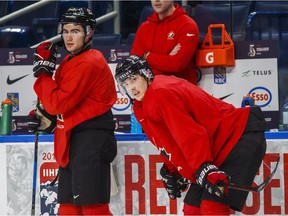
(209, 57)
(261, 95)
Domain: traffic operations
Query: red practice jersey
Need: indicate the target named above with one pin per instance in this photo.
(187, 125)
(160, 37)
(83, 88)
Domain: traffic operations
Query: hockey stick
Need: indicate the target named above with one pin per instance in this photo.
(257, 188)
(34, 174)
(251, 188)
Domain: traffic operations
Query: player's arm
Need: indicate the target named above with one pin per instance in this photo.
(193, 140)
(74, 88)
(138, 47)
(191, 137)
(177, 61)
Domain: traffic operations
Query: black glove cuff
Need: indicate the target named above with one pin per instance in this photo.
(33, 123)
(40, 70)
(41, 66)
(203, 171)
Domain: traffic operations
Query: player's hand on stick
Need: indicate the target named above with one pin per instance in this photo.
(45, 59)
(174, 183)
(40, 120)
(33, 122)
(212, 179)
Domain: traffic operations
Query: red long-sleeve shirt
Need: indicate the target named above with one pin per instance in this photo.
(159, 37)
(187, 125)
(83, 88)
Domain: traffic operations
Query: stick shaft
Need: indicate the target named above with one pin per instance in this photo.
(34, 174)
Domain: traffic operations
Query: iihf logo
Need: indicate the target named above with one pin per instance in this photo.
(252, 51)
(113, 55)
(48, 194)
(11, 58)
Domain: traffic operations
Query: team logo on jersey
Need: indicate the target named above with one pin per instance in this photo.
(170, 35)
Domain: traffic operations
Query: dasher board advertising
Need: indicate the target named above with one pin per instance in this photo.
(255, 73)
(139, 189)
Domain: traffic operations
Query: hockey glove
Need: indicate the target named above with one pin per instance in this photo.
(40, 120)
(33, 122)
(212, 179)
(45, 59)
(174, 183)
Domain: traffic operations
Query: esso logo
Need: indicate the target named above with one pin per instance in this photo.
(262, 96)
(209, 57)
(122, 103)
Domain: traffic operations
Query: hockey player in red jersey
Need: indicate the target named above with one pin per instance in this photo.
(168, 39)
(81, 93)
(201, 138)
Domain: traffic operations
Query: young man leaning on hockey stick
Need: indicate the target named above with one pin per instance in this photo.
(201, 138)
(81, 94)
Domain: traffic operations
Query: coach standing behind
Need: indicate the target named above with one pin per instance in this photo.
(81, 94)
(168, 40)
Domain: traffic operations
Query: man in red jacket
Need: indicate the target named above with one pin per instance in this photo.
(81, 93)
(168, 41)
(201, 138)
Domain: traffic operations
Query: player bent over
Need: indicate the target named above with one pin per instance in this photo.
(81, 94)
(201, 138)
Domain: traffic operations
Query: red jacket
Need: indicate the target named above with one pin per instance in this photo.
(187, 125)
(83, 88)
(159, 37)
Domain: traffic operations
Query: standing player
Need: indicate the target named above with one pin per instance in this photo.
(200, 137)
(81, 94)
(168, 41)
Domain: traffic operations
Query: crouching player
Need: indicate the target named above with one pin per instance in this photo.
(201, 138)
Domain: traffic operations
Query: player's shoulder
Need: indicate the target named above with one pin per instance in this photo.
(161, 86)
(93, 59)
(185, 19)
(94, 55)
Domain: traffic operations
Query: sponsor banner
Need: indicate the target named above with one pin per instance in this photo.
(136, 171)
(24, 56)
(19, 176)
(48, 170)
(115, 54)
(3, 181)
(257, 78)
(123, 123)
(255, 73)
(256, 49)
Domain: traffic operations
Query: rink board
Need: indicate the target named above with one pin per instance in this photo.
(255, 73)
(136, 174)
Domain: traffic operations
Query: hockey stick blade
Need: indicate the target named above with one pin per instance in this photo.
(257, 188)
